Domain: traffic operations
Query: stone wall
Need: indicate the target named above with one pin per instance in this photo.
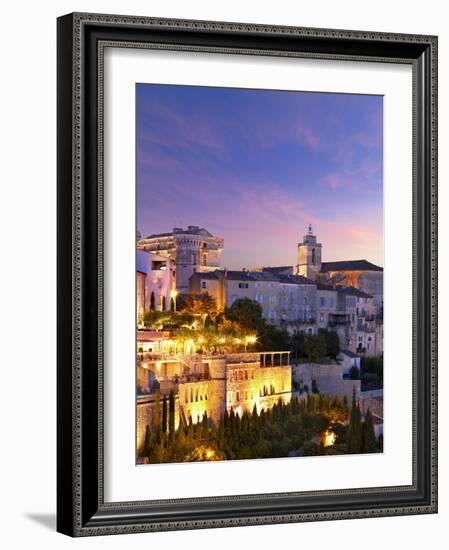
(328, 378)
(145, 416)
(249, 384)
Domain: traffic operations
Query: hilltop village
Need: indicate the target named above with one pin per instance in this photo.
(272, 361)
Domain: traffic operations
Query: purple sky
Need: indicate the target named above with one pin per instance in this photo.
(256, 167)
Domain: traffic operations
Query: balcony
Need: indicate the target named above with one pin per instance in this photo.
(338, 320)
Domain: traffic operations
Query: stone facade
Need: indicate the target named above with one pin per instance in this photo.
(190, 250)
(309, 256)
(328, 378)
(212, 384)
(154, 283)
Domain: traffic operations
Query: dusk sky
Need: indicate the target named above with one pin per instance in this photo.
(256, 167)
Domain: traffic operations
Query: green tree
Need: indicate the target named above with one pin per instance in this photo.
(297, 344)
(171, 414)
(204, 428)
(164, 415)
(147, 448)
(248, 314)
(197, 304)
(273, 338)
(369, 437)
(354, 438)
(315, 347)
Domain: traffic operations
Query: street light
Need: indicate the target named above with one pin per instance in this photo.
(250, 340)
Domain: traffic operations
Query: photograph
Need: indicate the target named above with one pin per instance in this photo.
(259, 273)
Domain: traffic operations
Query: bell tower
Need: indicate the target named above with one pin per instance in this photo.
(309, 256)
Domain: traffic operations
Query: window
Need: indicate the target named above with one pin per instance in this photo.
(204, 259)
(272, 299)
(237, 396)
(313, 256)
(322, 302)
(305, 300)
(203, 284)
(310, 331)
(243, 285)
(321, 317)
(259, 298)
(257, 285)
(270, 285)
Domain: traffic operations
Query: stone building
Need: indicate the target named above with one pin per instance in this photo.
(190, 250)
(283, 298)
(154, 282)
(328, 378)
(309, 256)
(208, 384)
(360, 274)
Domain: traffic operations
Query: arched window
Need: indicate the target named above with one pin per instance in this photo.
(313, 256)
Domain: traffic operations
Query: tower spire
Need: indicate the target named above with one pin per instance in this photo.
(310, 232)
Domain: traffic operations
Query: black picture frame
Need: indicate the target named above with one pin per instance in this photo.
(81, 510)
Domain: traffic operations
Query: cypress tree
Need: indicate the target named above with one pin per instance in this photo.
(354, 439)
(190, 436)
(171, 414)
(221, 433)
(226, 422)
(346, 405)
(180, 438)
(147, 442)
(204, 435)
(369, 437)
(157, 419)
(164, 415)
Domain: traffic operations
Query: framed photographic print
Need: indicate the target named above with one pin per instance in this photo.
(247, 293)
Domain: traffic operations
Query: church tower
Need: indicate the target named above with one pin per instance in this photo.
(309, 256)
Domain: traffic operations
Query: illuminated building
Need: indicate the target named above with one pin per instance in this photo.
(154, 282)
(206, 384)
(190, 250)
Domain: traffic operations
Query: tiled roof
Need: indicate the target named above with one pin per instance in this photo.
(277, 269)
(294, 279)
(210, 275)
(349, 265)
(324, 286)
(353, 291)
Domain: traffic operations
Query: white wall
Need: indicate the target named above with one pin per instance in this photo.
(27, 232)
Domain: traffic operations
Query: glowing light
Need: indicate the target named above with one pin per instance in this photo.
(251, 339)
(238, 341)
(174, 293)
(209, 454)
(329, 438)
(222, 340)
(158, 365)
